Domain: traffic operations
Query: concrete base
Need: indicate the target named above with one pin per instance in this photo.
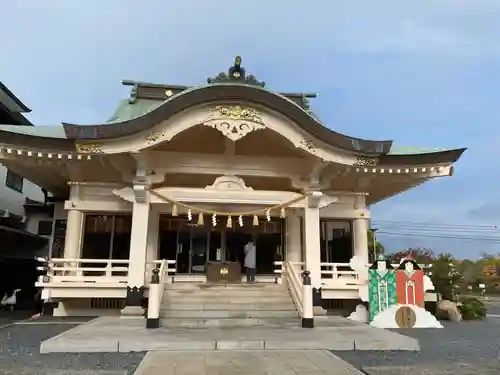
(319, 311)
(112, 334)
(307, 322)
(245, 362)
(132, 312)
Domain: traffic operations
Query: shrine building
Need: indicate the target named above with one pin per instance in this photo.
(192, 174)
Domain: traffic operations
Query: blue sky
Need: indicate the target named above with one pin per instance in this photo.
(424, 73)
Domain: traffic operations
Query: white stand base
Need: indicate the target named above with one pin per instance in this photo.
(360, 314)
(387, 318)
(132, 312)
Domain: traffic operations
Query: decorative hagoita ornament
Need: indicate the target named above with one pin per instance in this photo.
(382, 286)
(410, 283)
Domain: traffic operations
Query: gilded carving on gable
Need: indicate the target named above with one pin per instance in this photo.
(234, 121)
(237, 112)
(153, 137)
(365, 161)
(310, 145)
(89, 148)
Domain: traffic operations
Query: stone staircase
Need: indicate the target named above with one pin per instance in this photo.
(231, 305)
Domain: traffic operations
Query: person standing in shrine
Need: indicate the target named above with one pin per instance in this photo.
(250, 260)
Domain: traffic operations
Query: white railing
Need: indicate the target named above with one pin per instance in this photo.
(342, 273)
(293, 272)
(337, 270)
(110, 271)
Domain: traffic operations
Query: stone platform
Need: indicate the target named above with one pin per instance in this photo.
(112, 334)
(254, 362)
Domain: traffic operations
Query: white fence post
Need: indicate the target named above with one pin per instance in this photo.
(307, 301)
(153, 319)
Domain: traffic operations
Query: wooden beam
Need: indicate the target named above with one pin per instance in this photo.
(174, 162)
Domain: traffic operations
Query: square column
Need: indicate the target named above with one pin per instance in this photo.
(360, 235)
(137, 257)
(73, 239)
(152, 241)
(293, 238)
(360, 229)
(312, 250)
(312, 239)
(74, 226)
(312, 245)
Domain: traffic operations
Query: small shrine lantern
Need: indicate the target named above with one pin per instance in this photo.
(381, 286)
(410, 283)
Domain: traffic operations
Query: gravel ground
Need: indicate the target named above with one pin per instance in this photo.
(20, 354)
(458, 349)
(442, 351)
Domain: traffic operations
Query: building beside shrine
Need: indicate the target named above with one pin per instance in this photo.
(191, 174)
(25, 216)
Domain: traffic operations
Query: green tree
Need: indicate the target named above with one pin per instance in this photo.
(421, 255)
(445, 276)
(379, 248)
(470, 270)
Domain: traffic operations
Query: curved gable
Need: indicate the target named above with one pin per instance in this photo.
(226, 92)
(235, 121)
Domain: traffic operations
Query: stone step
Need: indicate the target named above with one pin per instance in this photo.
(228, 322)
(216, 305)
(204, 286)
(237, 314)
(168, 299)
(226, 293)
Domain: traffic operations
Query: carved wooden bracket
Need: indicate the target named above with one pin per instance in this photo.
(141, 193)
(314, 199)
(229, 182)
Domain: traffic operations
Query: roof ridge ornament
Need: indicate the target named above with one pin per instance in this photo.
(236, 73)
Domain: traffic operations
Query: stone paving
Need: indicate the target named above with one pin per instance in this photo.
(112, 334)
(249, 362)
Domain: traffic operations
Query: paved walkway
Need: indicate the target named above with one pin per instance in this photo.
(251, 362)
(112, 334)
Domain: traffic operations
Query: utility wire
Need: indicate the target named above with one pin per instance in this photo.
(433, 224)
(440, 230)
(442, 236)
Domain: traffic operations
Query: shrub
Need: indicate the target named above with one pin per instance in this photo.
(472, 309)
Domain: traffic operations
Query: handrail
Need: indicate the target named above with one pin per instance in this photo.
(156, 288)
(294, 285)
(157, 263)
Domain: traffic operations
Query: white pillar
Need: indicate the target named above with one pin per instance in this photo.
(360, 235)
(152, 240)
(74, 226)
(293, 238)
(137, 264)
(73, 237)
(312, 240)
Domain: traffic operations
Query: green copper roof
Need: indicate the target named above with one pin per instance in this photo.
(408, 150)
(55, 131)
(127, 110)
